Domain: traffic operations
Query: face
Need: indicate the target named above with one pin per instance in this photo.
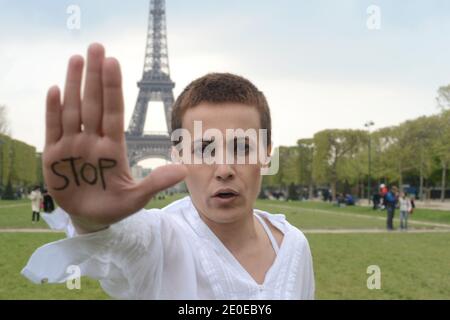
(223, 192)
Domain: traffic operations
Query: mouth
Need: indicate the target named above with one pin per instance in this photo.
(225, 194)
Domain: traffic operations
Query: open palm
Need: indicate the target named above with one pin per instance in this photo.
(85, 163)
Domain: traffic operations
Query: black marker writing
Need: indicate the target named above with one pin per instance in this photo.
(88, 172)
(83, 173)
(74, 170)
(102, 164)
(66, 180)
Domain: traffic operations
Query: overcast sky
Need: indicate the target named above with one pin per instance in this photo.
(318, 63)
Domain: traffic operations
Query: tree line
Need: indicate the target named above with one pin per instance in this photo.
(20, 166)
(416, 152)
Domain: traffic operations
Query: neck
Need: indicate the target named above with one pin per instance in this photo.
(236, 234)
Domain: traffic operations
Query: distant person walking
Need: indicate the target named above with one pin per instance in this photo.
(405, 209)
(50, 216)
(36, 198)
(48, 203)
(383, 191)
(413, 204)
(376, 198)
(390, 201)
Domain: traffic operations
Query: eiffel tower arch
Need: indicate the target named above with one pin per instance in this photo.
(155, 85)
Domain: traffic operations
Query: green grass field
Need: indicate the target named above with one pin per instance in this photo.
(413, 265)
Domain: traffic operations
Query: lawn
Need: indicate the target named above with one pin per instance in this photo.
(15, 250)
(319, 215)
(17, 214)
(428, 215)
(413, 265)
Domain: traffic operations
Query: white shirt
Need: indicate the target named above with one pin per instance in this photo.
(171, 253)
(35, 197)
(405, 204)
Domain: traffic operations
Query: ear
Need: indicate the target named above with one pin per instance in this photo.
(268, 154)
(269, 149)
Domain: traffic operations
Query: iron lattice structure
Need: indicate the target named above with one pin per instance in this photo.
(155, 85)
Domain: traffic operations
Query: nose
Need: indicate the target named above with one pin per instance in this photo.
(224, 172)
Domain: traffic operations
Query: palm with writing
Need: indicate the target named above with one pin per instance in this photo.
(85, 162)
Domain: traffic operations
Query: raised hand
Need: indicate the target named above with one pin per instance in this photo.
(85, 161)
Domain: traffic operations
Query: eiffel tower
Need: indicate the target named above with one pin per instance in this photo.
(155, 85)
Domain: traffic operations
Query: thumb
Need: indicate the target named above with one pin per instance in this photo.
(162, 178)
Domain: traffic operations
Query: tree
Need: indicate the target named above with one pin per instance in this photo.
(353, 168)
(395, 152)
(443, 97)
(262, 194)
(305, 164)
(23, 168)
(39, 173)
(442, 147)
(4, 125)
(20, 165)
(9, 192)
(332, 148)
(292, 192)
(288, 170)
(403, 151)
(422, 134)
(5, 159)
(4, 153)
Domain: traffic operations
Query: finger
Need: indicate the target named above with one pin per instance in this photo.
(162, 178)
(53, 122)
(91, 109)
(113, 105)
(71, 111)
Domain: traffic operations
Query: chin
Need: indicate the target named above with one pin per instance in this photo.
(225, 213)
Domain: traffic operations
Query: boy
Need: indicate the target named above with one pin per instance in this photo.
(211, 245)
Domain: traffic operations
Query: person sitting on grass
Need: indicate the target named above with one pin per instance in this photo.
(212, 244)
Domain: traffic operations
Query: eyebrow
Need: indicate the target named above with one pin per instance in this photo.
(208, 141)
(202, 141)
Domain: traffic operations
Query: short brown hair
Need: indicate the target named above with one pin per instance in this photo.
(222, 88)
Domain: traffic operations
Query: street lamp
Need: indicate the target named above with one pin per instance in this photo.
(368, 125)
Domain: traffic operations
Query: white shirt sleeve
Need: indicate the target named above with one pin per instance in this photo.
(59, 220)
(127, 257)
(304, 280)
(307, 279)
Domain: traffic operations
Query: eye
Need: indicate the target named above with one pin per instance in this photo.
(213, 150)
(200, 149)
(241, 147)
